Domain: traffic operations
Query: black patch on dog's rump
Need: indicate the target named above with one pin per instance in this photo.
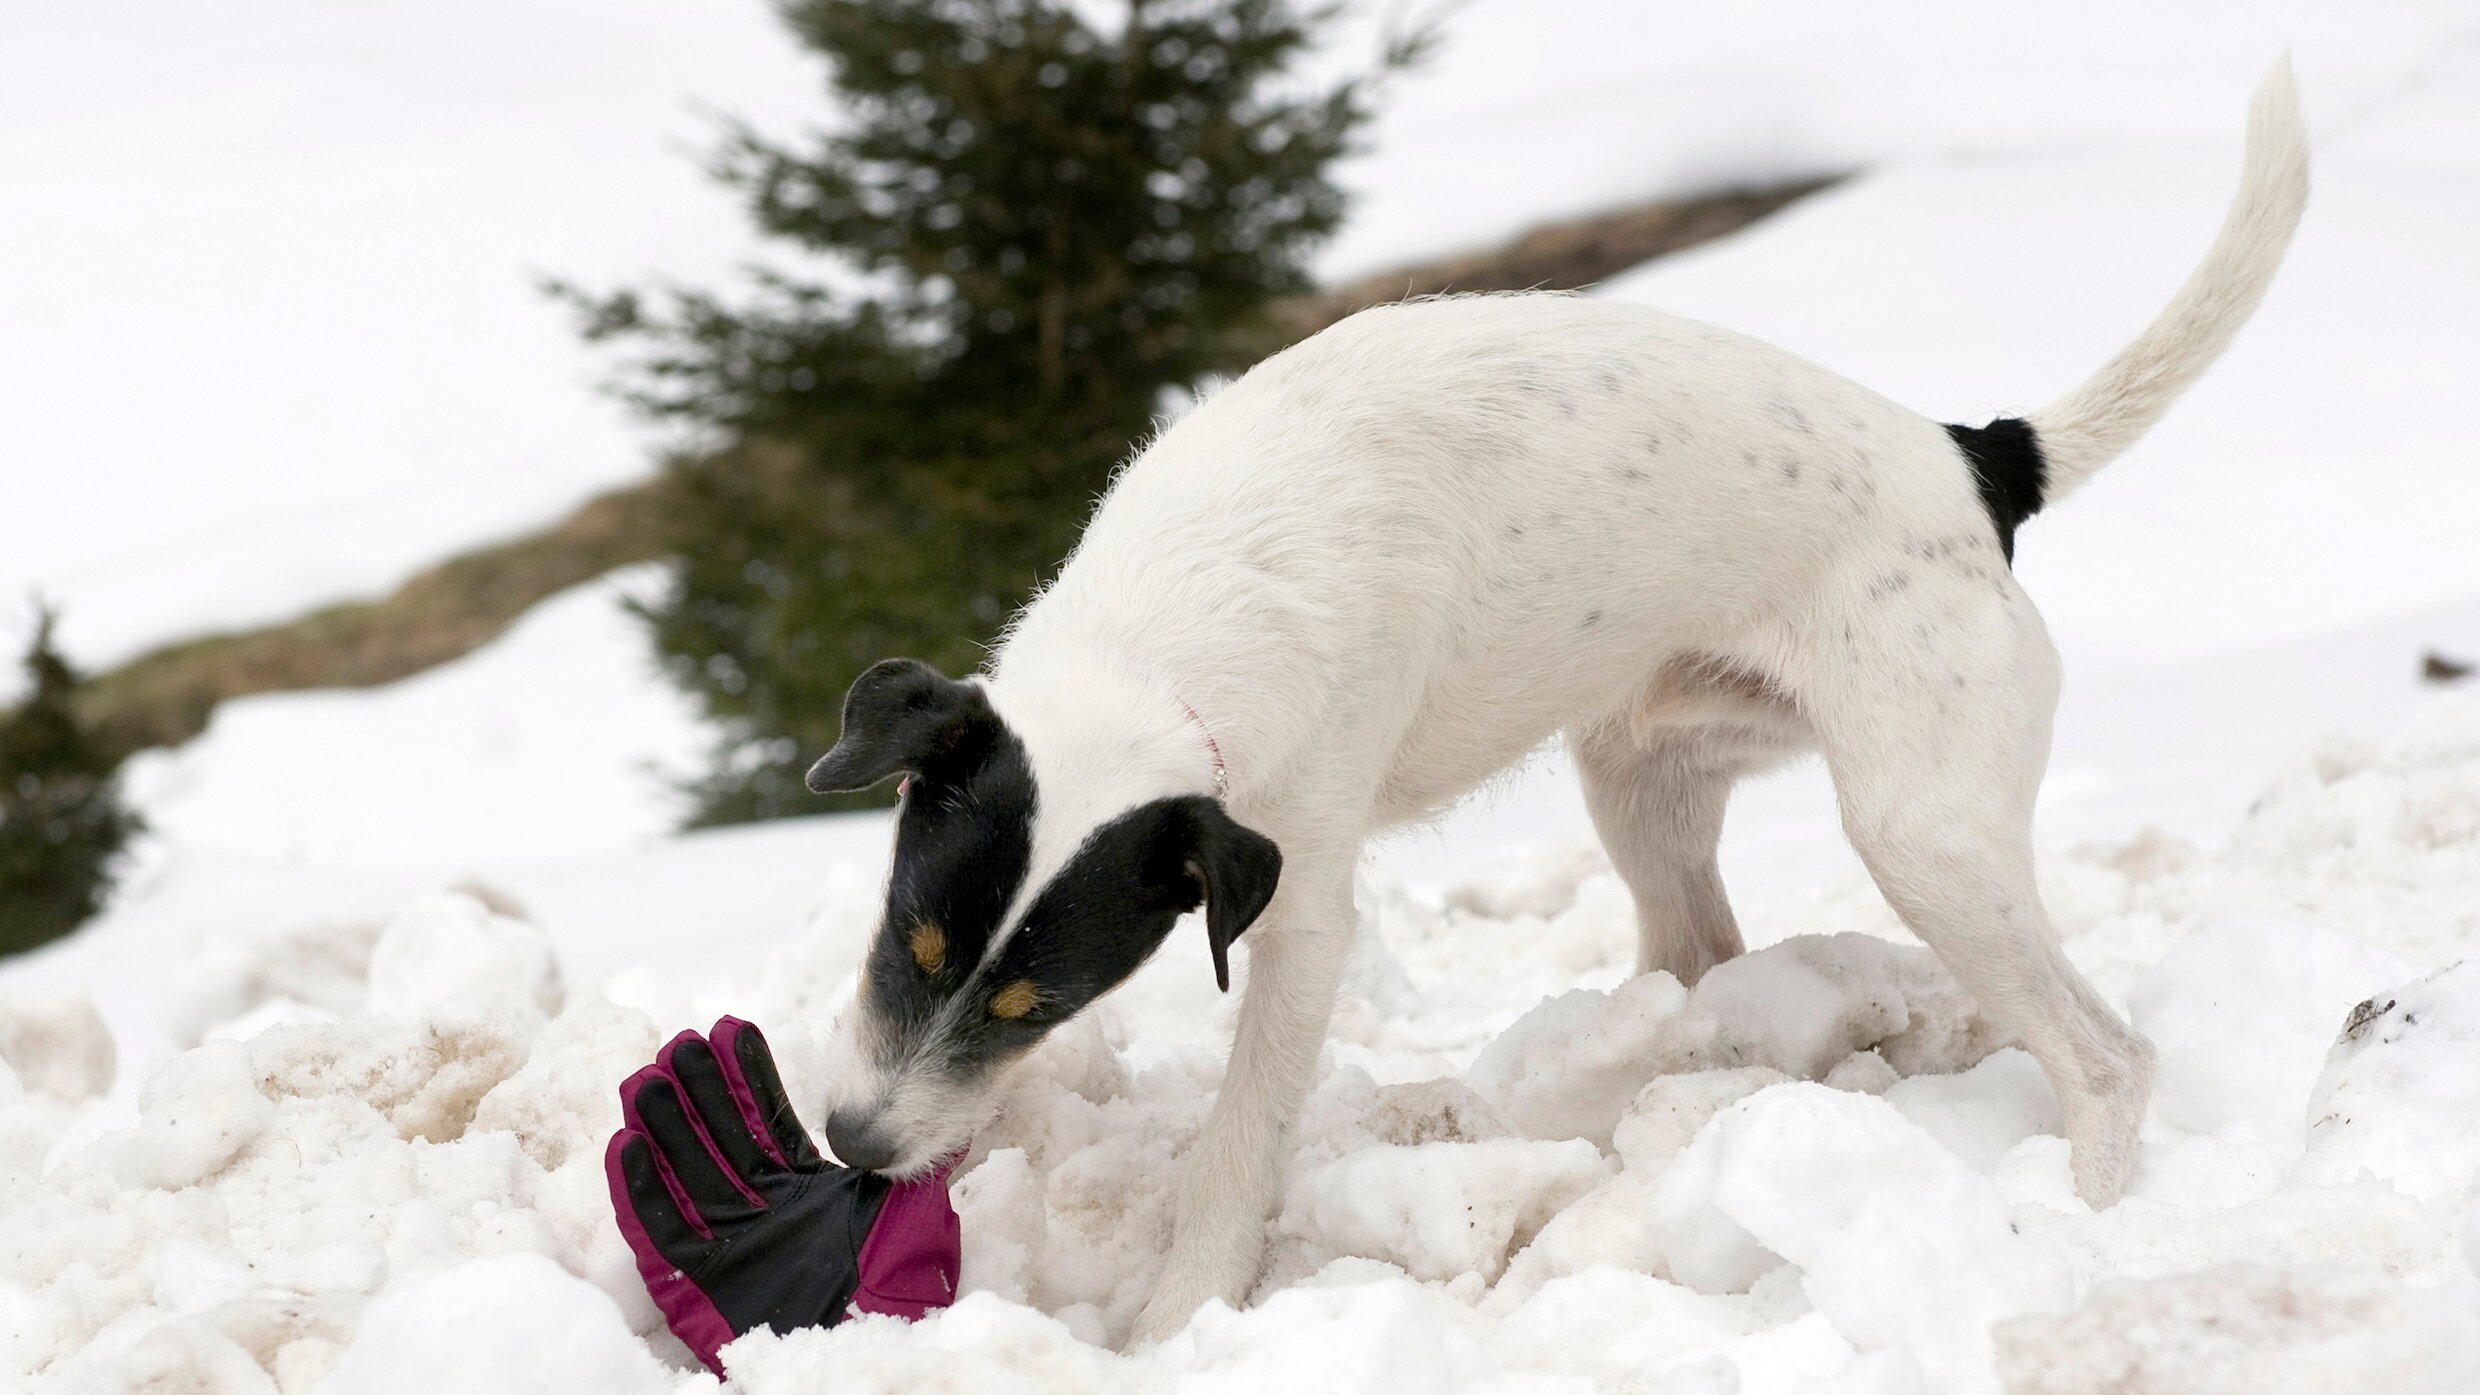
(2009, 470)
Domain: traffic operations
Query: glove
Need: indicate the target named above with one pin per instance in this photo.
(737, 1222)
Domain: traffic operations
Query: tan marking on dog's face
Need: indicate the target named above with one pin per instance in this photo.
(1015, 1000)
(929, 946)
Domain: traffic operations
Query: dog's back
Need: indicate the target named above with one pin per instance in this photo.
(1481, 516)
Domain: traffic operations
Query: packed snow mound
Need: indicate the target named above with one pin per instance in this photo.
(2240, 1066)
(1819, 1170)
(2244, 1329)
(1905, 1247)
(453, 956)
(54, 1044)
(1440, 1210)
(2399, 1090)
(499, 1310)
(1571, 1067)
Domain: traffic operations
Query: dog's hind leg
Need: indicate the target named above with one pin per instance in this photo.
(1937, 731)
(1657, 805)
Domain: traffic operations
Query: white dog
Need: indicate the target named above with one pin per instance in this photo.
(1389, 562)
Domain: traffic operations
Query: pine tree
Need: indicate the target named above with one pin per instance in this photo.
(62, 823)
(1021, 230)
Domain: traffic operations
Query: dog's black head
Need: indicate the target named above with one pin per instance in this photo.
(999, 924)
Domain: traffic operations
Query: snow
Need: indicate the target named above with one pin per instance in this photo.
(2390, 1094)
(2243, 1067)
(1901, 1244)
(1440, 1210)
(499, 1310)
(193, 1116)
(1816, 1168)
(54, 1044)
(1531, 112)
(562, 737)
(331, 1077)
(271, 337)
(2244, 1329)
(448, 957)
(1571, 1067)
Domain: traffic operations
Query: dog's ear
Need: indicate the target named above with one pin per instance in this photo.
(1233, 870)
(902, 715)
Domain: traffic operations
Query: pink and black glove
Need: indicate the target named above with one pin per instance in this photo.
(736, 1220)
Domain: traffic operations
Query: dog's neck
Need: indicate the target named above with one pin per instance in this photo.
(1110, 729)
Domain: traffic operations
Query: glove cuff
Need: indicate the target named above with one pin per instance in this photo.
(910, 1261)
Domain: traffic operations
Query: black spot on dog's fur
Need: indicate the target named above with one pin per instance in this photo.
(1952, 553)
(2008, 469)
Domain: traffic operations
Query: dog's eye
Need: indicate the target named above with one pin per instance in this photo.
(929, 945)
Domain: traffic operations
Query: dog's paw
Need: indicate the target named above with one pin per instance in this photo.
(1164, 1314)
(2103, 1123)
(1180, 1292)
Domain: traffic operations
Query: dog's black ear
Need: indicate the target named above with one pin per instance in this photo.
(902, 715)
(1234, 870)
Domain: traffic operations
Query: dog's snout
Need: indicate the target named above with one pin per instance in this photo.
(857, 1142)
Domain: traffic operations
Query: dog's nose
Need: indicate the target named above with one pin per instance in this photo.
(856, 1143)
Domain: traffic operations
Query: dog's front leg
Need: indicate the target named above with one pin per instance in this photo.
(1296, 956)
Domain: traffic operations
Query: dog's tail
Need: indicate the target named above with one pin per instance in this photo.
(2023, 464)
(2093, 425)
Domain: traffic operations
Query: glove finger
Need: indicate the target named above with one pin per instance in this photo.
(652, 1217)
(712, 1100)
(750, 1067)
(653, 1107)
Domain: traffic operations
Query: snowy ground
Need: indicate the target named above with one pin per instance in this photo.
(1817, 1171)
(398, 1134)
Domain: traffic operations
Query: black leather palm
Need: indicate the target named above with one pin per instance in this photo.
(796, 1263)
(771, 1232)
